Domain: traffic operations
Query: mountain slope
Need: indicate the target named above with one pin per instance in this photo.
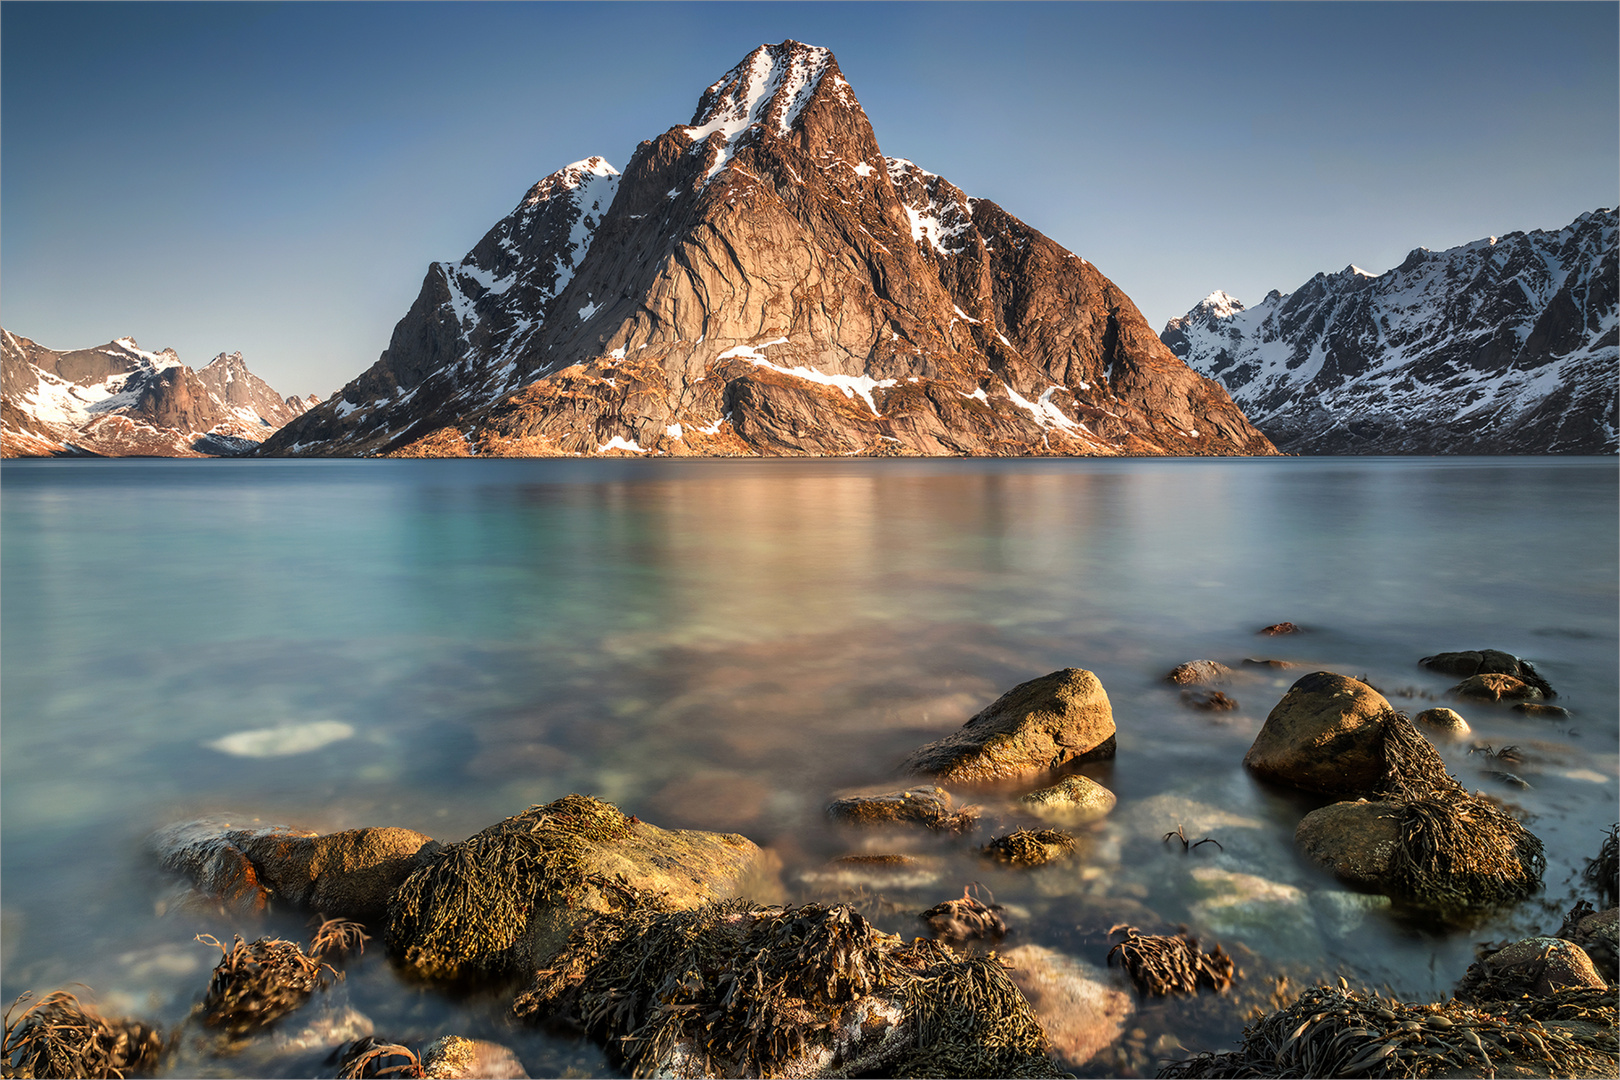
(118, 399)
(1507, 345)
(762, 280)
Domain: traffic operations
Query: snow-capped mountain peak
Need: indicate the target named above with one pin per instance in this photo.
(767, 92)
(1508, 344)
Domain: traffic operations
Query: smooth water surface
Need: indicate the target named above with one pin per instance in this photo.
(724, 644)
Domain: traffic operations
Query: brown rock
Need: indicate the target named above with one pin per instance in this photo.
(1275, 665)
(456, 1058)
(1033, 728)
(1325, 735)
(1354, 840)
(1199, 671)
(1073, 798)
(1542, 712)
(1487, 662)
(1444, 722)
(1494, 688)
(930, 807)
(1080, 1008)
(1208, 700)
(1546, 964)
(1276, 629)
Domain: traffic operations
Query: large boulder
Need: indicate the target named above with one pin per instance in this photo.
(1033, 728)
(504, 900)
(1325, 735)
(1487, 662)
(1354, 840)
(349, 874)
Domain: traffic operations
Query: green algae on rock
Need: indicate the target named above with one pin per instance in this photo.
(1035, 727)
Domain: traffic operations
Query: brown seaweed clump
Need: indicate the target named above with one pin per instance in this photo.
(1335, 1031)
(465, 911)
(368, 1058)
(56, 1036)
(1031, 847)
(956, 922)
(256, 984)
(734, 989)
(1457, 850)
(1165, 964)
(1603, 872)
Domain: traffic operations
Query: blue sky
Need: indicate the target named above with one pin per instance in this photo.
(275, 178)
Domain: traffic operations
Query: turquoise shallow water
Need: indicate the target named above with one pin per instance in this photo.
(723, 644)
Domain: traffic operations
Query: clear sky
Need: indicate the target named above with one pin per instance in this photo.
(275, 178)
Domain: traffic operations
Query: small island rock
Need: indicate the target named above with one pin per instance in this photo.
(1494, 688)
(1194, 672)
(930, 807)
(1325, 735)
(1487, 662)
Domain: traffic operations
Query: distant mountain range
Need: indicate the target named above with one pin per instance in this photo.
(1507, 345)
(118, 399)
(763, 280)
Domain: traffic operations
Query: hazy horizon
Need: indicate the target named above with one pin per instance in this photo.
(275, 179)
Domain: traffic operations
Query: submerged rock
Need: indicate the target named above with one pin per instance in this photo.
(1598, 932)
(1444, 722)
(736, 989)
(967, 918)
(1487, 662)
(1277, 629)
(505, 899)
(1494, 688)
(1208, 700)
(1080, 1008)
(1073, 799)
(1542, 712)
(1194, 672)
(351, 873)
(1035, 727)
(1325, 735)
(1265, 914)
(930, 807)
(1031, 847)
(1354, 840)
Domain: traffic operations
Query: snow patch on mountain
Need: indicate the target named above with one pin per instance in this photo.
(770, 87)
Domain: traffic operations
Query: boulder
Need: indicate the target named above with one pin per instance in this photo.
(349, 874)
(456, 1058)
(505, 900)
(1542, 712)
(1444, 722)
(1325, 735)
(1354, 840)
(930, 807)
(1035, 727)
(1541, 966)
(1194, 672)
(1079, 1005)
(1075, 798)
(1494, 688)
(1598, 932)
(1487, 662)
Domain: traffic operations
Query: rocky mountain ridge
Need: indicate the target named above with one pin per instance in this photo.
(1507, 345)
(763, 280)
(118, 399)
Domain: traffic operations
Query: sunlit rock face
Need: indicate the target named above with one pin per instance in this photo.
(763, 280)
(1507, 345)
(118, 399)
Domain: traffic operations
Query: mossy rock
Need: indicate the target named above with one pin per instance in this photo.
(504, 900)
(1034, 728)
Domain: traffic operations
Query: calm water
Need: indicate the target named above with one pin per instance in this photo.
(723, 645)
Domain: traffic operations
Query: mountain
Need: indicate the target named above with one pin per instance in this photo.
(118, 399)
(1507, 345)
(762, 280)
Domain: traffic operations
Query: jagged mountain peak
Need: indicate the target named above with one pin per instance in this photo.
(764, 280)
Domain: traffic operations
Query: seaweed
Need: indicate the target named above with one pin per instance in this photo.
(57, 1036)
(336, 937)
(368, 1057)
(956, 922)
(1603, 872)
(1334, 1031)
(971, 1020)
(1165, 964)
(1457, 850)
(1030, 847)
(466, 910)
(731, 988)
(256, 984)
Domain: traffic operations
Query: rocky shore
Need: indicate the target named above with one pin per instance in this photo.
(678, 952)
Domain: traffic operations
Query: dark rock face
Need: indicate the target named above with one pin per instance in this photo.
(117, 399)
(763, 280)
(1507, 345)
